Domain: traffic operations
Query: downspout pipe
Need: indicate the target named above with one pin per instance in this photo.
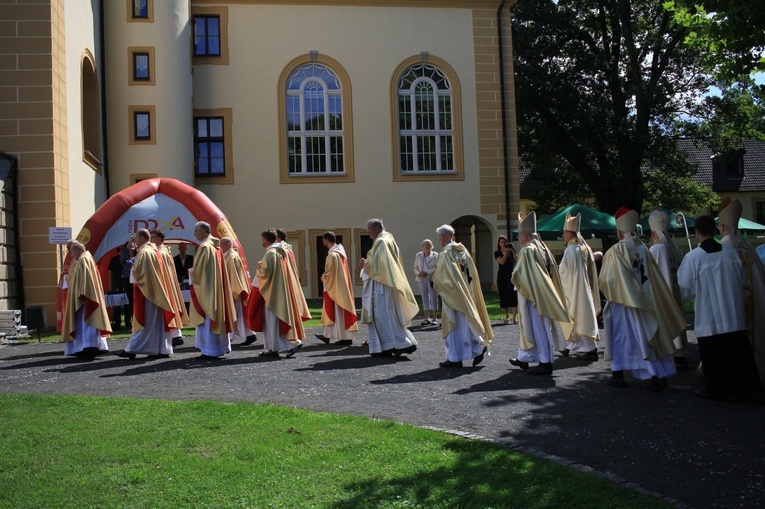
(102, 60)
(503, 99)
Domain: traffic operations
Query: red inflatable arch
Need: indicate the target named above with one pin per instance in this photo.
(166, 204)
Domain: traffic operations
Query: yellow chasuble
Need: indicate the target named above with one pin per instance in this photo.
(179, 306)
(210, 289)
(296, 289)
(274, 285)
(575, 280)
(339, 286)
(618, 284)
(541, 287)
(149, 275)
(240, 285)
(383, 264)
(592, 273)
(456, 293)
(754, 296)
(85, 289)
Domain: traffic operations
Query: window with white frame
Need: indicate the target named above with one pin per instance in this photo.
(314, 108)
(426, 138)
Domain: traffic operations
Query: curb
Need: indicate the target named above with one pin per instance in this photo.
(564, 462)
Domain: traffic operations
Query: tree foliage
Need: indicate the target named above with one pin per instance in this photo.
(731, 34)
(599, 87)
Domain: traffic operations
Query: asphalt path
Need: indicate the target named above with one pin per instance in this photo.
(700, 452)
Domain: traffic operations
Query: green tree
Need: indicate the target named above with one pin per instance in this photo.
(731, 34)
(600, 85)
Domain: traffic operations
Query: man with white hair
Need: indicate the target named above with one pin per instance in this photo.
(579, 279)
(465, 325)
(387, 301)
(212, 308)
(641, 317)
(754, 290)
(540, 301)
(154, 308)
(240, 290)
(668, 257)
(85, 321)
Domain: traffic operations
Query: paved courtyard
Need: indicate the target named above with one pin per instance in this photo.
(700, 452)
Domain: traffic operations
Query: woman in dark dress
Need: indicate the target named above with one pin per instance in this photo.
(508, 297)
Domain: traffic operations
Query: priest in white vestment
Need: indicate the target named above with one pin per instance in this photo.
(668, 257)
(239, 286)
(754, 290)
(84, 320)
(212, 308)
(387, 301)
(641, 317)
(154, 313)
(271, 309)
(713, 276)
(579, 278)
(545, 322)
(465, 325)
(158, 239)
(338, 313)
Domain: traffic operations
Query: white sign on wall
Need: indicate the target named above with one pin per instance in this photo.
(59, 234)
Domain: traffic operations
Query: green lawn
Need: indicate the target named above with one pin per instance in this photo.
(88, 452)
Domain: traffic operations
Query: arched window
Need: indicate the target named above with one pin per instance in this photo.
(427, 121)
(316, 123)
(91, 125)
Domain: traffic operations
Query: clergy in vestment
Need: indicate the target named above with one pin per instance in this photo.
(179, 306)
(154, 310)
(272, 306)
(299, 304)
(545, 321)
(212, 308)
(387, 301)
(668, 257)
(84, 320)
(579, 278)
(754, 290)
(240, 290)
(641, 317)
(465, 325)
(713, 276)
(338, 313)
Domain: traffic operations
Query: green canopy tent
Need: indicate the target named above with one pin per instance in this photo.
(747, 227)
(594, 222)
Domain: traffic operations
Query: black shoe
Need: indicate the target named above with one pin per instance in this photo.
(479, 358)
(386, 353)
(450, 364)
(250, 339)
(344, 342)
(657, 385)
(321, 337)
(123, 353)
(177, 341)
(158, 356)
(592, 355)
(268, 353)
(408, 349)
(209, 357)
(294, 350)
(681, 363)
(523, 365)
(616, 382)
(565, 352)
(541, 369)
